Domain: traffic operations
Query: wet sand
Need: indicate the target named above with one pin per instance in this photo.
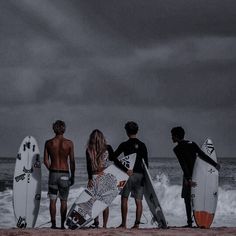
(223, 231)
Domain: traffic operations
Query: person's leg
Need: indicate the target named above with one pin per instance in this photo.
(187, 201)
(63, 188)
(139, 211)
(105, 217)
(124, 202)
(52, 209)
(186, 194)
(124, 211)
(63, 213)
(95, 223)
(52, 193)
(137, 193)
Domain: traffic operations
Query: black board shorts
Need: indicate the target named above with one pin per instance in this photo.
(134, 186)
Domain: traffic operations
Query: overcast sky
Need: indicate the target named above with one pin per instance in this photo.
(98, 64)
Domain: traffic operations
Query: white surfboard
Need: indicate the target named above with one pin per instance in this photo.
(152, 200)
(27, 183)
(90, 203)
(205, 193)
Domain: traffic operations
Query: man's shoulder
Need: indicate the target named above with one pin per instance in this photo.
(68, 141)
(49, 141)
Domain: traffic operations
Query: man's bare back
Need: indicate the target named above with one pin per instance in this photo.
(58, 149)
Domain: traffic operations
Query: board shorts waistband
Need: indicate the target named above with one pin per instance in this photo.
(59, 171)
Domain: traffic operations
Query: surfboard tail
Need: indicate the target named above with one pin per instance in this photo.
(203, 219)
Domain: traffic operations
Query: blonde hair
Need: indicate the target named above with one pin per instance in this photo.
(96, 148)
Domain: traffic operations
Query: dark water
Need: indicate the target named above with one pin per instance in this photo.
(167, 177)
(157, 166)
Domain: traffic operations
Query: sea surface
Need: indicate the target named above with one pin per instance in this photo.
(167, 177)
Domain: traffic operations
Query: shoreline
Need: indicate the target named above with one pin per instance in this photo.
(172, 231)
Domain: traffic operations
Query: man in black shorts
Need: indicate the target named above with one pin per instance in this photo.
(186, 153)
(57, 152)
(135, 182)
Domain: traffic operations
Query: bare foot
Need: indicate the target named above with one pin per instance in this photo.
(121, 226)
(136, 226)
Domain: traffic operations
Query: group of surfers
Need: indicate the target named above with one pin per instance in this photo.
(60, 161)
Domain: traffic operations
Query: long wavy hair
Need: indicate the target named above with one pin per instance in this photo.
(96, 148)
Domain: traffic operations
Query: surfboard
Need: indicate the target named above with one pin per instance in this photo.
(91, 202)
(152, 199)
(27, 183)
(205, 193)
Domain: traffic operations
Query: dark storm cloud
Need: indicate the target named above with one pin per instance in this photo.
(149, 60)
(144, 22)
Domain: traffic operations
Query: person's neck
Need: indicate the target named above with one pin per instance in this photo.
(59, 136)
(180, 140)
(132, 136)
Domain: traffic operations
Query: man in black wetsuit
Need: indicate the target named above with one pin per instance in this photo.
(187, 152)
(135, 182)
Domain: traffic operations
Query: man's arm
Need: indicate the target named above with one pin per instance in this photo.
(115, 160)
(183, 165)
(145, 155)
(89, 166)
(72, 163)
(118, 151)
(118, 163)
(205, 157)
(46, 157)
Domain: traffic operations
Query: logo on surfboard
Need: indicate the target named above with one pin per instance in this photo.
(209, 147)
(21, 223)
(20, 177)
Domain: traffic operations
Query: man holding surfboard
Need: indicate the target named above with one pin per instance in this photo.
(135, 182)
(186, 153)
(57, 151)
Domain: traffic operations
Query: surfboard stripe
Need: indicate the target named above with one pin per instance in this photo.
(203, 219)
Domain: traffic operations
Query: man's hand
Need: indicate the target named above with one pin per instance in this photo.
(90, 183)
(192, 183)
(129, 172)
(218, 166)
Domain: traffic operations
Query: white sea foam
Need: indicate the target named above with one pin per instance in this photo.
(169, 196)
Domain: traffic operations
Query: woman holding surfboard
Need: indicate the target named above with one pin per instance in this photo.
(98, 155)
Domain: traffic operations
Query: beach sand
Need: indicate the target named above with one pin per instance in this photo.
(223, 231)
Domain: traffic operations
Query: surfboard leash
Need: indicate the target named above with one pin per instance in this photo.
(145, 219)
(43, 224)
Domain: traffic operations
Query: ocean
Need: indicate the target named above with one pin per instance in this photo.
(167, 177)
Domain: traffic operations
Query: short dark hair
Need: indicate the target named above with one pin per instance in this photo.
(59, 127)
(178, 132)
(131, 127)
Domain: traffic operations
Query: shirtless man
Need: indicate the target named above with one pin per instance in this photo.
(56, 153)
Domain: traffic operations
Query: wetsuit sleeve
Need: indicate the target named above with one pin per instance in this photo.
(89, 166)
(118, 151)
(145, 155)
(118, 163)
(183, 165)
(110, 153)
(203, 156)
